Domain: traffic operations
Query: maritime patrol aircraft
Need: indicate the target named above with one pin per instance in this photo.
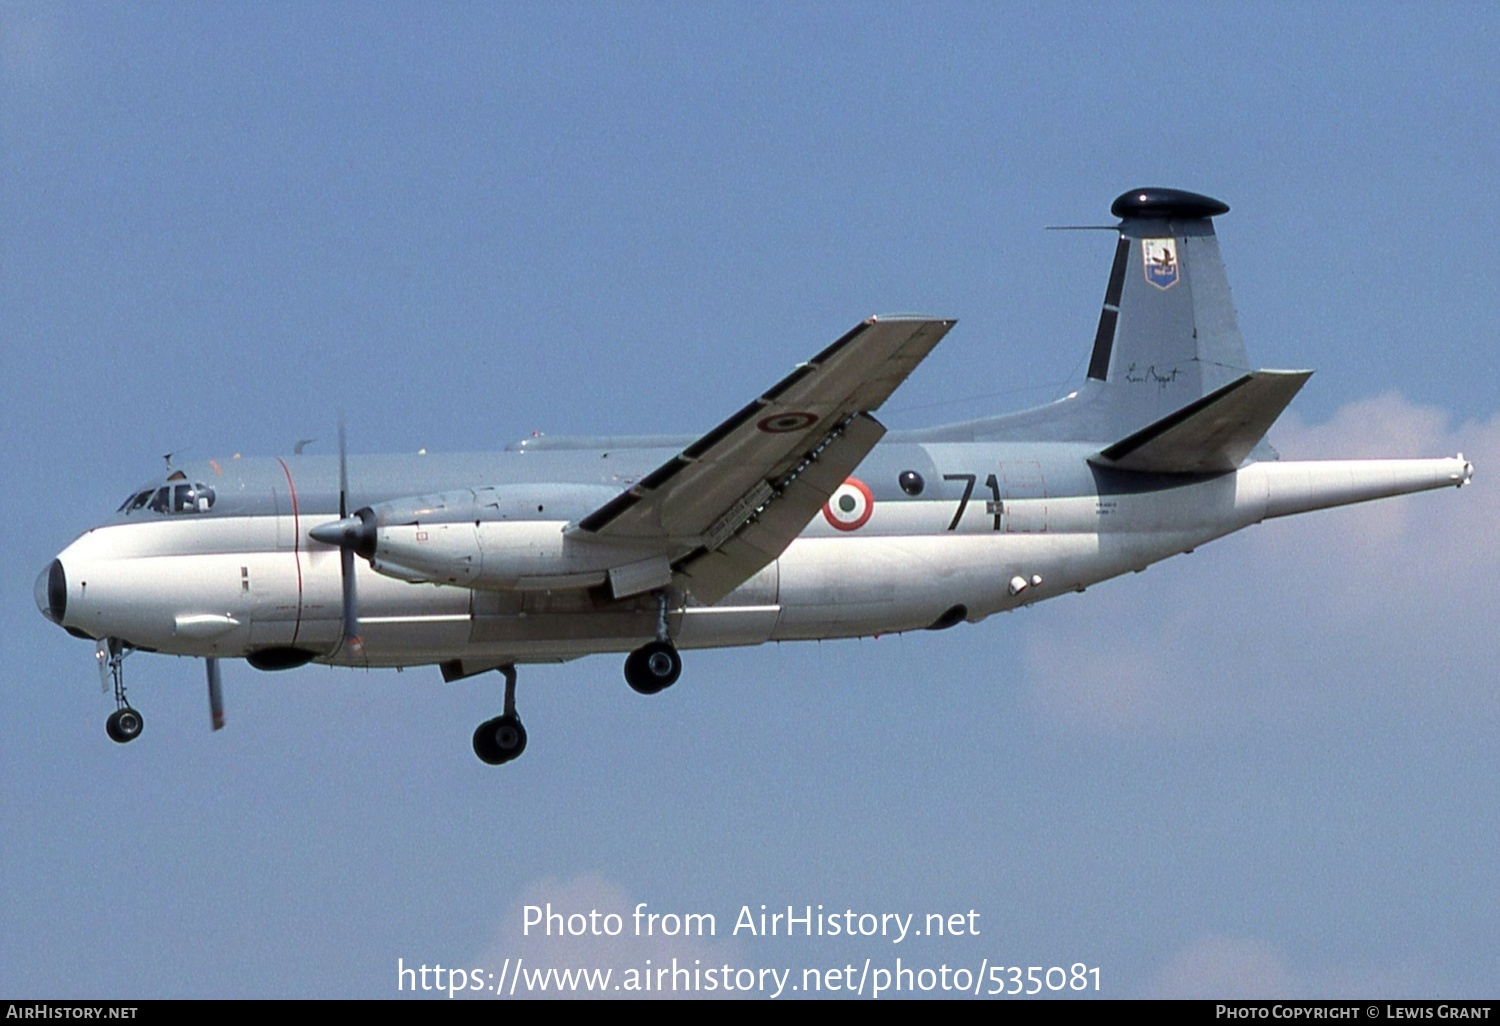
(798, 517)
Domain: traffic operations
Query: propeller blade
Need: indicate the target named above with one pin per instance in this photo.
(351, 639)
(215, 693)
(343, 470)
(346, 543)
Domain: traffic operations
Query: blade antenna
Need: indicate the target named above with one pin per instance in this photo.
(215, 693)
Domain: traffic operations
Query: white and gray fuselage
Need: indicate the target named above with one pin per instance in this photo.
(949, 531)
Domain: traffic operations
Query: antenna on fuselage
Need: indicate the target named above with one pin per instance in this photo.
(215, 693)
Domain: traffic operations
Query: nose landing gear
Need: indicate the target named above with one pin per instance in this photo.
(124, 724)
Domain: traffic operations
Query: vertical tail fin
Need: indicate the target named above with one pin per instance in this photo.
(1169, 388)
(1168, 334)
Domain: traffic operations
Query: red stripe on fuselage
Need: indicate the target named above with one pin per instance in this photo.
(296, 545)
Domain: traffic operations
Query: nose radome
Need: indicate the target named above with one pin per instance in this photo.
(51, 592)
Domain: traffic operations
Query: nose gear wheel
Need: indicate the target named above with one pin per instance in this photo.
(124, 724)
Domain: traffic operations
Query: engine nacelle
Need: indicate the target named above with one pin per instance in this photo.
(500, 538)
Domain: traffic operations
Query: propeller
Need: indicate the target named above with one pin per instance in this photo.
(352, 534)
(215, 693)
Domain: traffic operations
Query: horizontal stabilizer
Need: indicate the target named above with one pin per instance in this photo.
(1213, 434)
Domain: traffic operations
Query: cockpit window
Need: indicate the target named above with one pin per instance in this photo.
(193, 498)
(182, 498)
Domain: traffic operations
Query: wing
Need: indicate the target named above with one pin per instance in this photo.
(731, 502)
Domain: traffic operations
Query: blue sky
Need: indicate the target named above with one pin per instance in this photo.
(1266, 768)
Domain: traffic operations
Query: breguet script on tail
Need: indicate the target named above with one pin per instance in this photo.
(798, 517)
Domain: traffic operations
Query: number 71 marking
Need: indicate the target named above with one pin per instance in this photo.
(994, 507)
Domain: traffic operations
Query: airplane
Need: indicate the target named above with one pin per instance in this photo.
(798, 517)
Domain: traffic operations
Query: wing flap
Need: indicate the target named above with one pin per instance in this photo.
(731, 501)
(1213, 434)
(711, 573)
(684, 497)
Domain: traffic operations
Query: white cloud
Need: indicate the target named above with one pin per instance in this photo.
(1446, 541)
(1388, 604)
(1227, 968)
(1215, 967)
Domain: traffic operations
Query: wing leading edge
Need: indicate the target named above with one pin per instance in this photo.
(732, 501)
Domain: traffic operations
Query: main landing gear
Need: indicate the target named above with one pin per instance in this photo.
(653, 667)
(124, 724)
(502, 739)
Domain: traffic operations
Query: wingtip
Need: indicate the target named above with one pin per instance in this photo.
(888, 318)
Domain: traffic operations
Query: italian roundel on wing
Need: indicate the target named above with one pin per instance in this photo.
(850, 506)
